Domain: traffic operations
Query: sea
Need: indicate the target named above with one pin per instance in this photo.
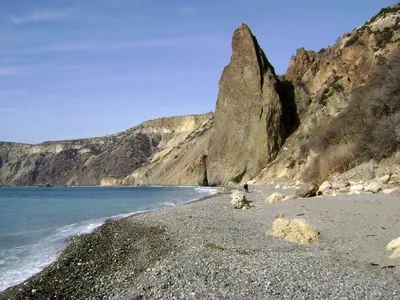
(35, 222)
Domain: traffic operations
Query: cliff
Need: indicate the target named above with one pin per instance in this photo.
(333, 109)
(103, 160)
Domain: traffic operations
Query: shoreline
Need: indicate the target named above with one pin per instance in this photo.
(205, 249)
(99, 222)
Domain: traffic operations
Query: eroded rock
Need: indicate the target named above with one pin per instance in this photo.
(248, 130)
(395, 247)
(307, 190)
(297, 231)
(239, 200)
(275, 197)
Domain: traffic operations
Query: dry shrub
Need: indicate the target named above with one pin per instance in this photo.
(371, 120)
(338, 158)
(383, 139)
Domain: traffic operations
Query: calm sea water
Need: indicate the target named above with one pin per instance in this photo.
(35, 223)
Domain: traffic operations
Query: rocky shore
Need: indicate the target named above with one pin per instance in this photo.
(208, 250)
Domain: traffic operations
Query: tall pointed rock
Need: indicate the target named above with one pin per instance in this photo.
(247, 130)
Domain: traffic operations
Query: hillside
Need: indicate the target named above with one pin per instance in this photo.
(333, 110)
(103, 160)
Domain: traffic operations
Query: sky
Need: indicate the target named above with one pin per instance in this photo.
(82, 68)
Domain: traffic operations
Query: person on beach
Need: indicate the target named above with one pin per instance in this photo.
(246, 187)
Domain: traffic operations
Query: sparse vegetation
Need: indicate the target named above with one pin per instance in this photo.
(368, 128)
(384, 37)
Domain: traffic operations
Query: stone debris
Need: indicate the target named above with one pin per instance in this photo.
(275, 197)
(325, 188)
(297, 231)
(239, 200)
(395, 247)
(373, 187)
(356, 189)
(307, 190)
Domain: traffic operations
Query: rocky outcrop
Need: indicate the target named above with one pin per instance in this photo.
(180, 160)
(297, 231)
(99, 161)
(247, 130)
(239, 200)
(325, 83)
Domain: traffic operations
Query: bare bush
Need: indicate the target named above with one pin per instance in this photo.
(338, 158)
(384, 139)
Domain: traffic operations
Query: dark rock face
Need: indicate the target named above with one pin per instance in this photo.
(248, 129)
(79, 162)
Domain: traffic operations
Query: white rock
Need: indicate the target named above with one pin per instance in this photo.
(239, 200)
(275, 197)
(324, 187)
(384, 179)
(278, 186)
(389, 191)
(373, 187)
(290, 197)
(395, 247)
(356, 189)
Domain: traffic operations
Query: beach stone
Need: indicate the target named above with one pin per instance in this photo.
(279, 227)
(307, 190)
(297, 231)
(275, 197)
(384, 179)
(356, 189)
(279, 215)
(373, 187)
(289, 197)
(301, 231)
(239, 200)
(391, 191)
(325, 187)
(395, 247)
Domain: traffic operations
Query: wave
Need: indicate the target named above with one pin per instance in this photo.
(21, 262)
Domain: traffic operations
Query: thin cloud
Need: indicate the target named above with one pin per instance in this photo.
(11, 71)
(12, 92)
(40, 16)
(96, 46)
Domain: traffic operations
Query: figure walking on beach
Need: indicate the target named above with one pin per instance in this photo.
(246, 187)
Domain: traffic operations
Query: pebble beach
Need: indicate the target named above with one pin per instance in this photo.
(208, 250)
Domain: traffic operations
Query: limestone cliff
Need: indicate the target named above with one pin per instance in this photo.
(248, 130)
(264, 126)
(324, 83)
(103, 160)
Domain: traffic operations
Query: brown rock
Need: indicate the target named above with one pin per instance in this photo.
(248, 130)
(307, 190)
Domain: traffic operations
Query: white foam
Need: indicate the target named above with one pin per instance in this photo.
(22, 262)
(19, 263)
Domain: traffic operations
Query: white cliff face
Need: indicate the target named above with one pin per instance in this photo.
(95, 161)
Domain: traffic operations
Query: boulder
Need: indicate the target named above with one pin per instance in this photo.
(248, 129)
(373, 187)
(297, 231)
(275, 197)
(395, 247)
(307, 190)
(384, 179)
(356, 189)
(392, 191)
(325, 187)
(239, 200)
(279, 228)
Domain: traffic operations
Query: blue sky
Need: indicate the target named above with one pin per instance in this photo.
(76, 68)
